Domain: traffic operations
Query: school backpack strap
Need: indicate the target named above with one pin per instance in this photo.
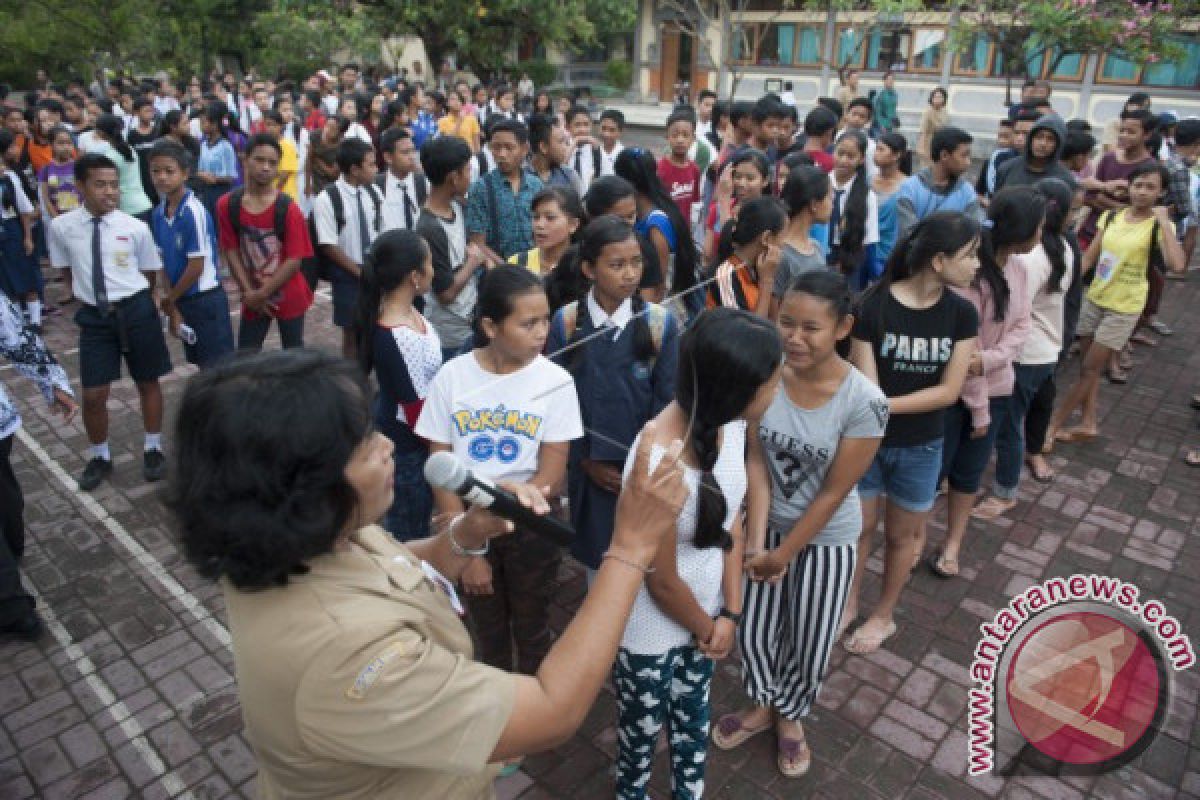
(570, 318)
(493, 211)
(381, 182)
(377, 199)
(421, 184)
(235, 211)
(595, 161)
(339, 210)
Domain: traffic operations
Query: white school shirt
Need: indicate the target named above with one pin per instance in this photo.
(393, 201)
(20, 199)
(348, 238)
(649, 630)
(125, 243)
(872, 231)
(608, 160)
(600, 318)
(496, 423)
(358, 131)
(165, 104)
(581, 160)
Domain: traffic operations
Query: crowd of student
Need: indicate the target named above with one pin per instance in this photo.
(833, 334)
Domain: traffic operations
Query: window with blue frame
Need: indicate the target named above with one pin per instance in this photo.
(928, 44)
(850, 46)
(975, 57)
(1114, 69)
(808, 46)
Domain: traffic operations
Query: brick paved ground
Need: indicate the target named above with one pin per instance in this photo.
(132, 695)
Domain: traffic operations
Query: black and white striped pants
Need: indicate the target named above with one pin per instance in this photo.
(788, 628)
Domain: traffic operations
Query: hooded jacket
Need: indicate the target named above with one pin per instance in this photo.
(1017, 171)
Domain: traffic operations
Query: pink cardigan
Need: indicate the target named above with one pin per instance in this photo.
(1000, 343)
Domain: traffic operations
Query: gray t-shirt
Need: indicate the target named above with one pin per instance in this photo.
(447, 239)
(793, 264)
(800, 445)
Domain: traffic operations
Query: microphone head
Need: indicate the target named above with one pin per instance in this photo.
(443, 470)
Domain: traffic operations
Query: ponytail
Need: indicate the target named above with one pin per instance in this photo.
(854, 214)
(1013, 218)
(114, 133)
(392, 257)
(754, 218)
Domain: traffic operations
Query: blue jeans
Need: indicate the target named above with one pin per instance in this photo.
(412, 504)
(907, 475)
(964, 459)
(1010, 438)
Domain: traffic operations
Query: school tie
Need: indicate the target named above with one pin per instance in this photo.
(98, 287)
(408, 207)
(364, 232)
(579, 161)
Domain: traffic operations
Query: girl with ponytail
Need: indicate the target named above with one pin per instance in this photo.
(1000, 294)
(686, 615)
(854, 220)
(915, 339)
(622, 353)
(110, 141)
(748, 257)
(402, 348)
(809, 203)
(1050, 268)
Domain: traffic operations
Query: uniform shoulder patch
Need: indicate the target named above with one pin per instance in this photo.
(374, 668)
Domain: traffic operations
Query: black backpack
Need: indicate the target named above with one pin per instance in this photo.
(282, 202)
(323, 266)
(420, 184)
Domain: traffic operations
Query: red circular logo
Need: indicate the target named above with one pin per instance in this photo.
(1083, 688)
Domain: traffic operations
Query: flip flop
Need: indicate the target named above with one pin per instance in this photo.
(935, 561)
(794, 758)
(510, 768)
(1070, 436)
(1040, 477)
(729, 732)
(861, 646)
(1117, 376)
(991, 508)
(1192, 458)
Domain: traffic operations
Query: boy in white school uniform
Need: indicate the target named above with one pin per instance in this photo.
(113, 263)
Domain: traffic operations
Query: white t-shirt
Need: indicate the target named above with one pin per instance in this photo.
(608, 161)
(496, 423)
(649, 630)
(1045, 336)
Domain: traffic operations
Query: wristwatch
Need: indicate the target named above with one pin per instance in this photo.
(729, 615)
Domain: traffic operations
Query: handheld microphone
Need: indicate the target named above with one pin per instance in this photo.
(443, 470)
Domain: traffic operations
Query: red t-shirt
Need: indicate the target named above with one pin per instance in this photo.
(682, 182)
(262, 253)
(822, 159)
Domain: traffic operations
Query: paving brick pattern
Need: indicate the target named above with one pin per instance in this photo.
(133, 693)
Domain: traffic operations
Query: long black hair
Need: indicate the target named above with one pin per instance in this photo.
(497, 289)
(1057, 237)
(758, 158)
(599, 234)
(755, 217)
(941, 233)
(605, 192)
(639, 168)
(724, 359)
(1014, 215)
(853, 221)
(804, 186)
(393, 256)
(899, 145)
(114, 133)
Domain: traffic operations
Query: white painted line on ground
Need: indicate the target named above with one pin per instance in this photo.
(114, 706)
(139, 553)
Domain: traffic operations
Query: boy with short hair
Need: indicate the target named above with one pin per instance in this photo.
(446, 162)
(858, 118)
(941, 186)
(113, 262)
(187, 240)
(678, 173)
(404, 189)
(585, 151)
(360, 222)
(500, 204)
(820, 126)
(768, 116)
(263, 239)
(612, 125)
(985, 186)
(549, 147)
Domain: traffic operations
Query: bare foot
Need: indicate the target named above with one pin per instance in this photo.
(1041, 471)
(1077, 434)
(993, 507)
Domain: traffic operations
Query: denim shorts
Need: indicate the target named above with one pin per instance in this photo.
(907, 475)
(207, 313)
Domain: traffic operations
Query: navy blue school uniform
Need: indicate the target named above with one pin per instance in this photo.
(204, 306)
(19, 273)
(618, 394)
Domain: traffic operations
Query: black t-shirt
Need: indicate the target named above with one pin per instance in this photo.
(142, 142)
(912, 348)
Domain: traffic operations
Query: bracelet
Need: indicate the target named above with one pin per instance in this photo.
(458, 549)
(628, 562)
(734, 617)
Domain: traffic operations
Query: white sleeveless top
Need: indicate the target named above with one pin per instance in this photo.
(649, 630)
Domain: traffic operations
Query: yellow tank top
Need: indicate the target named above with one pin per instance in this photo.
(1120, 283)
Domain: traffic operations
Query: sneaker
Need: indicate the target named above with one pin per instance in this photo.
(1161, 328)
(154, 466)
(28, 627)
(96, 471)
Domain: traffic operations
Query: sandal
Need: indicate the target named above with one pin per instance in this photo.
(510, 768)
(1196, 402)
(1192, 458)
(944, 568)
(729, 732)
(1117, 376)
(1074, 435)
(993, 507)
(861, 645)
(1141, 337)
(1040, 477)
(794, 758)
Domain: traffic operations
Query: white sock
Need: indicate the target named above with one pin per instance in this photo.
(153, 442)
(35, 311)
(100, 451)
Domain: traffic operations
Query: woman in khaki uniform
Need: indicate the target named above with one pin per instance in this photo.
(355, 671)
